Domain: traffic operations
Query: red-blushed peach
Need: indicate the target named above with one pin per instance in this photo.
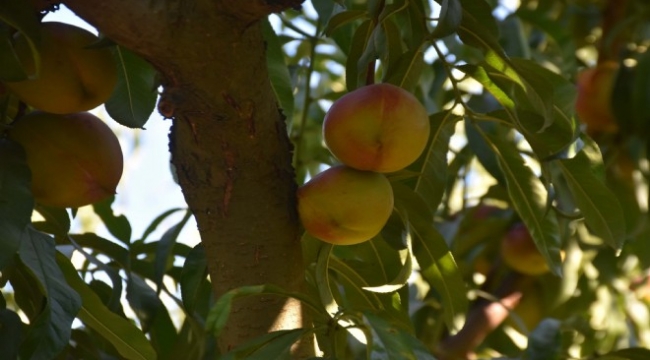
(73, 77)
(378, 127)
(594, 101)
(345, 206)
(75, 159)
(520, 253)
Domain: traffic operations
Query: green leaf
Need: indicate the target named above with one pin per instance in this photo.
(451, 15)
(37, 252)
(436, 261)
(397, 343)
(127, 339)
(402, 277)
(433, 163)
(19, 15)
(11, 68)
(11, 333)
(407, 70)
(627, 354)
(355, 71)
(194, 275)
(135, 94)
(159, 219)
(144, 301)
(16, 201)
(117, 225)
(529, 198)
(478, 27)
(278, 70)
(114, 251)
(218, 316)
(602, 211)
(57, 220)
(343, 18)
(545, 342)
(164, 255)
(274, 345)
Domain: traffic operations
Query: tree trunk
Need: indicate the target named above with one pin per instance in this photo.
(228, 142)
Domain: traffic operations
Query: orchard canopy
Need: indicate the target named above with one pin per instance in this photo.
(356, 179)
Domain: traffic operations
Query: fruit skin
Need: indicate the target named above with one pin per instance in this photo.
(72, 77)
(594, 101)
(520, 253)
(75, 159)
(344, 206)
(378, 127)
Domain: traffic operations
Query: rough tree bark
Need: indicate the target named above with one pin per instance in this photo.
(228, 141)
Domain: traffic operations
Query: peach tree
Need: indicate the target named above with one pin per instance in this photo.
(518, 227)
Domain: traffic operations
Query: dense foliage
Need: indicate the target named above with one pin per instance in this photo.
(507, 158)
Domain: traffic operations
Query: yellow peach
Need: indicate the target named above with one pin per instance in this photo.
(73, 77)
(378, 127)
(345, 206)
(75, 159)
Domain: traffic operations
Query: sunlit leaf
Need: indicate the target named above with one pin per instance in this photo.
(603, 213)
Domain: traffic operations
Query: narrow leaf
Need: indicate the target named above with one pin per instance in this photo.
(529, 198)
(602, 211)
(274, 345)
(545, 342)
(193, 275)
(433, 174)
(117, 225)
(127, 339)
(164, 250)
(16, 201)
(278, 70)
(37, 252)
(451, 14)
(436, 262)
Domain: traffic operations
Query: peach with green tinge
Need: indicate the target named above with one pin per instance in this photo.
(73, 75)
(75, 159)
(345, 206)
(378, 127)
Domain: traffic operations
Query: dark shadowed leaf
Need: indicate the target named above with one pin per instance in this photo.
(57, 220)
(342, 18)
(433, 162)
(451, 14)
(19, 15)
(11, 333)
(37, 252)
(278, 70)
(134, 97)
(355, 71)
(117, 225)
(16, 201)
(407, 69)
(544, 343)
(627, 354)
(127, 339)
(164, 254)
(193, 277)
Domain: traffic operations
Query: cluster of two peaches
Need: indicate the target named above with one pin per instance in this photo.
(373, 130)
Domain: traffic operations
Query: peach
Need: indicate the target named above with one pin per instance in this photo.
(345, 206)
(75, 159)
(594, 101)
(72, 77)
(520, 253)
(378, 127)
